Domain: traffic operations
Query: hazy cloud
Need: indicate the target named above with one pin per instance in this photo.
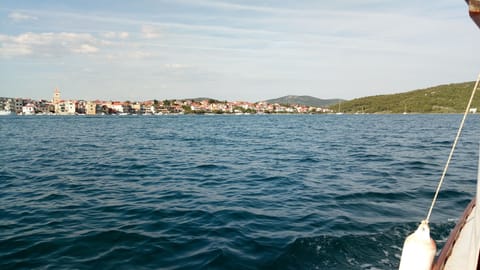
(123, 35)
(177, 66)
(150, 31)
(243, 49)
(114, 35)
(85, 49)
(139, 54)
(18, 17)
(47, 44)
(129, 55)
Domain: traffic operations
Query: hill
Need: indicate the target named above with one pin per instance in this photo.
(303, 100)
(449, 98)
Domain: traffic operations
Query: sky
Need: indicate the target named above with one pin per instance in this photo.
(249, 50)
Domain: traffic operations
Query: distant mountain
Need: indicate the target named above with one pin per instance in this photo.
(198, 99)
(448, 98)
(304, 100)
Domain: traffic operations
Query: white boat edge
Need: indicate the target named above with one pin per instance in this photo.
(5, 113)
(461, 251)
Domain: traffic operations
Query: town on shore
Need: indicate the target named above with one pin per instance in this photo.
(57, 106)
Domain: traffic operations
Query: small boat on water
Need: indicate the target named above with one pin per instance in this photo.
(5, 112)
(461, 251)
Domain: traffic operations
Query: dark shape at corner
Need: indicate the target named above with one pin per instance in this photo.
(474, 10)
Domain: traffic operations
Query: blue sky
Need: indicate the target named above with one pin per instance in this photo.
(232, 50)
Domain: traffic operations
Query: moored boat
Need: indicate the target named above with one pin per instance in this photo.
(5, 112)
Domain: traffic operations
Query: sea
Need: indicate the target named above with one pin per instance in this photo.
(227, 191)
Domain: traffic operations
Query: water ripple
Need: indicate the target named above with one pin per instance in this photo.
(225, 192)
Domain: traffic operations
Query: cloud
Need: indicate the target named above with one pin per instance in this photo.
(85, 49)
(48, 44)
(135, 54)
(233, 6)
(123, 35)
(114, 35)
(150, 32)
(129, 55)
(177, 66)
(109, 35)
(10, 50)
(19, 17)
(138, 54)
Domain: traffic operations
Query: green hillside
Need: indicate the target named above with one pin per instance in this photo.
(303, 100)
(450, 98)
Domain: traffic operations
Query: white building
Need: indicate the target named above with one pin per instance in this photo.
(70, 107)
(117, 107)
(28, 109)
(66, 107)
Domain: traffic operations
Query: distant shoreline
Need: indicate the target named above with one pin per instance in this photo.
(219, 114)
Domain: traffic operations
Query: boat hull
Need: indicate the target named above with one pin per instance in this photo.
(458, 248)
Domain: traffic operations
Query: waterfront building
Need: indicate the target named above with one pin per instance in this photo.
(66, 107)
(9, 105)
(56, 96)
(43, 106)
(56, 101)
(60, 108)
(136, 107)
(148, 107)
(91, 108)
(70, 107)
(5, 104)
(28, 109)
(116, 106)
(19, 103)
(80, 106)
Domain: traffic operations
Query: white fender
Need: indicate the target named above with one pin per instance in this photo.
(418, 250)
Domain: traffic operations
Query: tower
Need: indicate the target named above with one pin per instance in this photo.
(56, 100)
(56, 96)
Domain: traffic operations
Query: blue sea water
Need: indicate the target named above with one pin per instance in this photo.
(226, 192)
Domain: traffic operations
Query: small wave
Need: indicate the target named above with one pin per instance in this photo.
(212, 167)
(372, 196)
(54, 197)
(267, 191)
(363, 251)
(309, 160)
(330, 252)
(444, 142)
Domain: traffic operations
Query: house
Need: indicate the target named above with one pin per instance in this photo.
(66, 107)
(70, 107)
(28, 109)
(19, 103)
(91, 108)
(116, 106)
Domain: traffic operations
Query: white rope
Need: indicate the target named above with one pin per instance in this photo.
(467, 110)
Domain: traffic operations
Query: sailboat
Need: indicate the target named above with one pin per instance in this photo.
(339, 111)
(461, 251)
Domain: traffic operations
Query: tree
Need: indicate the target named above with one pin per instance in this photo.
(187, 109)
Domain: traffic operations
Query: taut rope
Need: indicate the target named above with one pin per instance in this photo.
(467, 110)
